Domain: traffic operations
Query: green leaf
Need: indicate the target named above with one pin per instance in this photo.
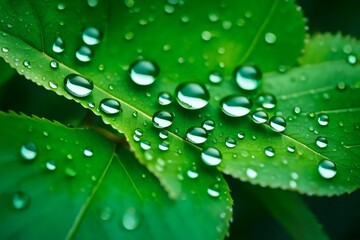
(108, 191)
(172, 36)
(6, 72)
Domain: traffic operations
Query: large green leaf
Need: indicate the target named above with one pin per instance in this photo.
(63, 191)
(176, 37)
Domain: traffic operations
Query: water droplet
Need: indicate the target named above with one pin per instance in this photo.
(206, 35)
(297, 110)
(291, 149)
(215, 77)
(145, 145)
(213, 190)
(54, 65)
(84, 54)
(110, 106)
(28, 151)
(50, 165)
(70, 172)
(162, 119)
(251, 173)
(106, 214)
(236, 106)
(270, 38)
(61, 6)
(163, 134)
(259, 117)
(164, 98)
(267, 101)
(192, 173)
(20, 200)
(92, 3)
(213, 17)
(211, 156)
(230, 142)
(277, 124)
(208, 125)
(196, 135)
(91, 36)
(192, 96)
(27, 64)
(269, 151)
(78, 86)
(241, 135)
(88, 152)
(4, 50)
(327, 169)
(323, 119)
(248, 77)
(131, 219)
(144, 72)
(58, 45)
(164, 146)
(352, 59)
(321, 142)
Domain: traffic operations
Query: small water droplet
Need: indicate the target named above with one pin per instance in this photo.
(321, 142)
(192, 173)
(206, 35)
(215, 77)
(91, 36)
(61, 6)
(84, 54)
(145, 145)
(230, 142)
(323, 119)
(58, 45)
(70, 172)
(27, 64)
(267, 101)
(131, 219)
(164, 98)
(208, 125)
(214, 190)
(50, 165)
(144, 72)
(164, 146)
(297, 110)
(162, 119)
(241, 135)
(169, 9)
(213, 17)
(270, 38)
(327, 169)
(269, 151)
(4, 50)
(54, 64)
(196, 135)
(291, 149)
(248, 77)
(20, 200)
(259, 117)
(236, 106)
(78, 86)
(251, 173)
(352, 59)
(192, 96)
(211, 156)
(28, 151)
(88, 152)
(277, 124)
(110, 106)
(106, 214)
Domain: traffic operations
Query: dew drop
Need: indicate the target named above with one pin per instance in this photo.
(213, 190)
(230, 142)
(291, 149)
(196, 135)
(236, 106)
(165, 98)
(323, 119)
(54, 65)
(92, 3)
(20, 200)
(277, 124)
(131, 219)
(144, 72)
(248, 77)
(110, 106)
(327, 169)
(70, 172)
(91, 36)
(192, 173)
(4, 50)
(28, 151)
(208, 125)
(88, 152)
(27, 64)
(267, 101)
(58, 45)
(84, 54)
(211, 156)
(259, 117)
(78, 86)
(215, 77)
(297, 110)
(164, 146)
(213, 17)
(321, 142)
(270, 38)
(61, 6)
(251, 173)
(269, 151)
(192, 96)
(241, 135)
(352, 59)
(206, 35)
(50, 165)
(163, 134)
(145, 145)
(162, 119)
(106, 214)
(53, 85)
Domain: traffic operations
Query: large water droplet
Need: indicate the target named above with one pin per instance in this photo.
(267, 101)
(88, 152)
(323, 119)
(28, 151)
(162, 119)
(192, 96)
(211, 156)
(196, 135)
(327, 168)
(91, 36)
(321, 142)
(248, 77)
(236, 106)
(84, 54)
(208, 125)
(277, 124)
(131, 219)
(145, 145)
(78, 86)
(269, 151)
(164, 98)
(230, 142)
(58, 45)
(110, 106)
(259, 117)
(352, 59)
(144, 72)
(20, 200)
